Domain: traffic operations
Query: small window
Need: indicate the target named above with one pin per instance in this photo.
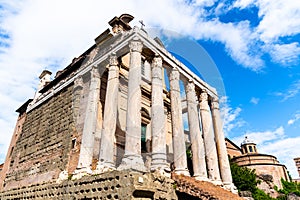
(73, 143)
(250, 149)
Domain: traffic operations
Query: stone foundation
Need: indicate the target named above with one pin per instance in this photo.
(113, 185)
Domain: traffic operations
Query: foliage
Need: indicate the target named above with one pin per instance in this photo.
(261, 195)
(243, 178)
(290, 187)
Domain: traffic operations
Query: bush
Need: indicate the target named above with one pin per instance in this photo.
(290, 187)
(261, 195)
(243, 178)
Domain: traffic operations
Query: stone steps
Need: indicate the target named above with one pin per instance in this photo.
(202, 189)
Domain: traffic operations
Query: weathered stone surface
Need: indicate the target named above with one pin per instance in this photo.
(189, 188)
(180, 160)
(292, 197)
(112, 185)
(42, 150)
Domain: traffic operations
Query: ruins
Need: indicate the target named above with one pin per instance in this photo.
(109, 126)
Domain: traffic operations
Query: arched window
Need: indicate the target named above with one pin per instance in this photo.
(250, 149)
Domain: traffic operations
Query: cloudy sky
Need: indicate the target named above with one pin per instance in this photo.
(254, 45)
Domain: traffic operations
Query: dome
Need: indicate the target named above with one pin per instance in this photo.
(247, 141)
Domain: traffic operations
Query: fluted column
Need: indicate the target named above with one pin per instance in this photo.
(90, 122)
(180, 160)
(221, 146)
(159, 156)
(106, 156)
(198, 151)
(209, 141)
(132, 158)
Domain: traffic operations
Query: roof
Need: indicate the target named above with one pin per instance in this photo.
(23, 107)
(232, 143)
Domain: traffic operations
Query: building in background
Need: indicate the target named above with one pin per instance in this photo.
(267, 167)
(297, 163)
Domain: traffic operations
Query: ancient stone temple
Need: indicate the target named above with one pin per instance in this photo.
(110, 126)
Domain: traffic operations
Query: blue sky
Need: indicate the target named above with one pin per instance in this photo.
(252, 50)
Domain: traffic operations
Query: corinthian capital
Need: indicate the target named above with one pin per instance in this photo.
(174, 75)
(113, 60)
(190, 86)
(157, 62)
(136, 45)
(215, 103)
(95, 72)
(203, 96)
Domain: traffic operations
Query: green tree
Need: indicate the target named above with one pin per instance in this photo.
(290, 187)
(243, 178)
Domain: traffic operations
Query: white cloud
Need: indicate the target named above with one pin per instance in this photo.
(286, 54)
(285, 12)
(262, 137)
(230, 116)
(294, 119)
(254, 100)
(291, 92)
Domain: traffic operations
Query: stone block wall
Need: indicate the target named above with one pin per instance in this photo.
(42, 150)
(112, 185)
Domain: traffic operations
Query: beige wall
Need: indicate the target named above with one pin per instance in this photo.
(264, 164)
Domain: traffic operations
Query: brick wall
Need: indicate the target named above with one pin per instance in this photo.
(42, 150)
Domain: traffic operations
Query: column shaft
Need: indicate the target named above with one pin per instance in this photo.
(198, 151)
(106, 158)
(132, 158)
(180, 160)
(159, 157)
(220, 142)
(90, 122)
(209, 141)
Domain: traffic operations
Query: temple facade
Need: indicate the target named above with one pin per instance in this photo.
(118, 107)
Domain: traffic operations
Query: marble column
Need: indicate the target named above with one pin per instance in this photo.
(198, 151)
(221, 146)
(132, 158)
(77, 93)
(179, 148)
(209, 141)
(106, 157)
(90, 123)
(159, 156)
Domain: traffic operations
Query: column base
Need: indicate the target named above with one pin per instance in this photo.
(62, 176)
(133, 162)
(183, 171)
(80, 172)
(103, 167)
(201, 178)
(163, 170)
(217, 182)
(230, 187)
